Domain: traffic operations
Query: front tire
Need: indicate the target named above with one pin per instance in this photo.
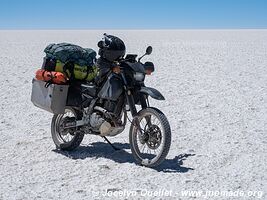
(150, 146)
(66, 139)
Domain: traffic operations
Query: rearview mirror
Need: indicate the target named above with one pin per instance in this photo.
(148, 50)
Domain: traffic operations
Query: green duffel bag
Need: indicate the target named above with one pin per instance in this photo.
(76, 62)
(66, 52)
(77, 72)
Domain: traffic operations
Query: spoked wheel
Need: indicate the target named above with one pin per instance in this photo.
(150, 142)
(66, 138)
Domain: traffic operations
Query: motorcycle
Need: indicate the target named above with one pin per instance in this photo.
(104, 112)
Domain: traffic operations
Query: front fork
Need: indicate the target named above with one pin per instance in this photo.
(131, 103)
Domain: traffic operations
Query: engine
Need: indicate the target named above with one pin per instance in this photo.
(101, 121)
(96, 120)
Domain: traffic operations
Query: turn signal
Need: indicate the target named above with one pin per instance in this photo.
(149, 71)
(149, 67)
(116, 69)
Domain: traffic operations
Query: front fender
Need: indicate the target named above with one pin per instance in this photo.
(152, 92)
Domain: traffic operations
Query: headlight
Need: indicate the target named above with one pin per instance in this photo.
(139, 76)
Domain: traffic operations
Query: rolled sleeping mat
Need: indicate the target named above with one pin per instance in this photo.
(53, 77)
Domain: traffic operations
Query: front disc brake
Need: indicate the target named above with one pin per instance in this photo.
(155, 137)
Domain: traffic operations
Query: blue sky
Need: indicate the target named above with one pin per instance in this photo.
(132, 14)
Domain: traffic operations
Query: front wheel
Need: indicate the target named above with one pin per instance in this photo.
(150, 137)
(66, 138)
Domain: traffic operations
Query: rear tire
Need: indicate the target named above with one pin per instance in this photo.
(156, 137)
(60, 135)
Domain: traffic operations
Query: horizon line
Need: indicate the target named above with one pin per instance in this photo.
(131, 29)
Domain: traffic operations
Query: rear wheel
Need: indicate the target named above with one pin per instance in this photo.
(66, 138)
(151, 142)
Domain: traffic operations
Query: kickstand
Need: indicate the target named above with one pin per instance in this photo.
(115, 148)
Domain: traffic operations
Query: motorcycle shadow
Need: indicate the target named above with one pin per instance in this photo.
(103, 150)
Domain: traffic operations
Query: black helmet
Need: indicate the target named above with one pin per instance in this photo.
(111, 48)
